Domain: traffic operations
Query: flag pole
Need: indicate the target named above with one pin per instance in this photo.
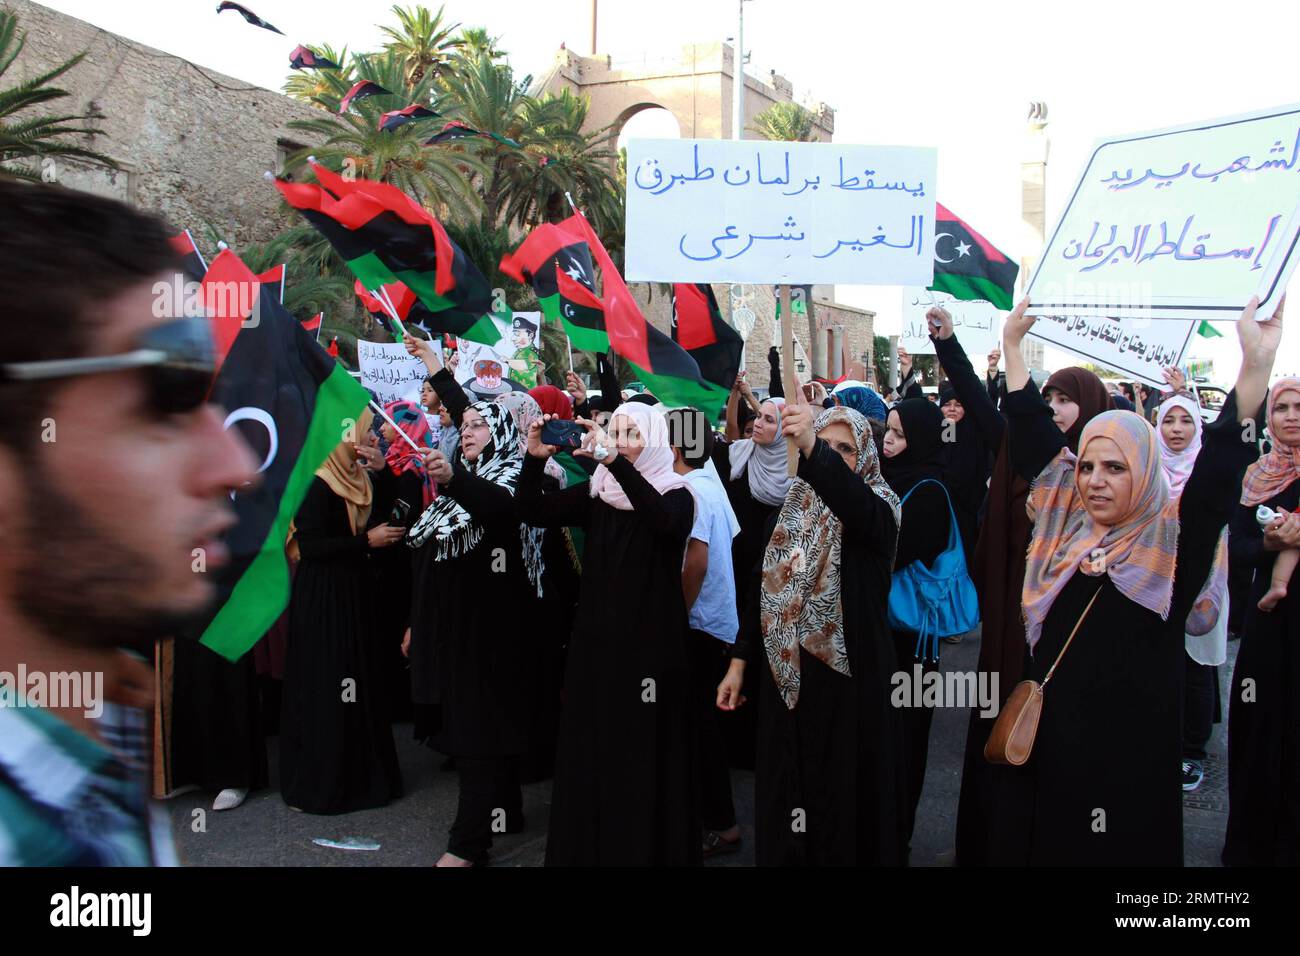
(382, 295)
(792, 391)
(405, 437)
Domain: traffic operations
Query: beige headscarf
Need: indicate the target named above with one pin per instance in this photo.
(346, 479)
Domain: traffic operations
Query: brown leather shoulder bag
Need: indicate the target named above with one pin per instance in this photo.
(1012, 739)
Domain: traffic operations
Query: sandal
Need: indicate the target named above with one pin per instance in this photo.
(715, 845)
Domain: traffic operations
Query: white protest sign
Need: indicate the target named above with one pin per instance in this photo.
(977, 323)
(789, 213)
(388, 371)
(1180, 224)
(515, 357)
(1139, 347)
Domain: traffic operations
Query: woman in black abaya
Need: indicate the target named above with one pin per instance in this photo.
(1118, 562)
(829, 781)
(336, 744)
(914, 464)
(625, 791)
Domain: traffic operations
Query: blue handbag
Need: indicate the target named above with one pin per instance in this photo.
(937, 601)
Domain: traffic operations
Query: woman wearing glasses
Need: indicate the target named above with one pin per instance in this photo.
(468, 657)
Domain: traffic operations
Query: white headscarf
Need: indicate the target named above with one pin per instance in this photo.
(1177, 465)
(769, 477)
(655, 462)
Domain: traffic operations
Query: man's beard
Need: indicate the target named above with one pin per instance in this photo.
(82, 587)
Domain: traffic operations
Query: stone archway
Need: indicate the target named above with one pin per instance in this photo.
(637, 109)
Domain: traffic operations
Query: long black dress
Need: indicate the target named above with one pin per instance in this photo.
(838, 756)
(1264, 710)
(625, 791)
(392, 566)
(1102, 786)
(336, 743)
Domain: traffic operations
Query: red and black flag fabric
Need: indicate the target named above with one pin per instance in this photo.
(274, 277)
(385, 236)
(394, 119)
(303, 58)
(548, 252)
(230, 294)
(248, 15)
(313, 324)
(699, 328)
(967, 266)
(360, 90)
(292, 404)
(192, 264)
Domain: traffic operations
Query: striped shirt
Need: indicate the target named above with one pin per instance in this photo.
(68, 800)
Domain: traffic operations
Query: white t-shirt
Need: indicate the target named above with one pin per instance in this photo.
(714, 611)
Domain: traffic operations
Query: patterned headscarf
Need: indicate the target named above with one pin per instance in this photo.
(1271, 474)
(800, 597)
(862, 399)
(525, 410)
(450, 526)
(1138, 553)
(400, 456)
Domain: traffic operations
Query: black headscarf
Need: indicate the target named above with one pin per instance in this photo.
(1085, 390)
(925, 454)
(947, 394)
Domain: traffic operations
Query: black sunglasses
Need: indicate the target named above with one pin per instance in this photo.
(177, 359)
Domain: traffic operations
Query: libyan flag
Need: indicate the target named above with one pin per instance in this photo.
(699, 328)
(1207, 331)
(557, 259)
(293, 404)
(967, 266)
(385, 236)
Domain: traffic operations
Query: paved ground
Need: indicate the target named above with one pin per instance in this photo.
(412, 830)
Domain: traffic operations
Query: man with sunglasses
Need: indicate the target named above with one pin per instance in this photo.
(115, 476)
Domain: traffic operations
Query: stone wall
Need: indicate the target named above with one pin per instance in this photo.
(193, 144)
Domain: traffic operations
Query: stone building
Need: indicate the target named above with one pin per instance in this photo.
(192, 144)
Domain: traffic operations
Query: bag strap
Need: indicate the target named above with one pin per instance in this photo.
(1077, 624)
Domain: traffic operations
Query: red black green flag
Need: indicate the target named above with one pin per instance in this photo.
(386, 237)
(552, 250)
(397, 118)
(248, 15)
(967, 266)
(360, 90)
(458, 130)
(699, 328)
(670, 374)
(293, 404)
(303, 58)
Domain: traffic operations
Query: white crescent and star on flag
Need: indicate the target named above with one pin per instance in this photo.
(962, 248)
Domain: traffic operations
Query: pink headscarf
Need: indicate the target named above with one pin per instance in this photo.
(655, 462)
(1177, 465)
(401, 457)
(1271, 474)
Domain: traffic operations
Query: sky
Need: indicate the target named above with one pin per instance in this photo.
(952, 74)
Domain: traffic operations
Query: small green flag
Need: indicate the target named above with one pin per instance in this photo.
(1206, 330)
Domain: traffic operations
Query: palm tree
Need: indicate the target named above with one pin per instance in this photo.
(308, 85)
(560, 158)
(476, 41)
(437, 178)
(38, 137)
(422, 42)
(788, 122)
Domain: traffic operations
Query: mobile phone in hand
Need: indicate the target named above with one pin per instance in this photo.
(562, 434)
